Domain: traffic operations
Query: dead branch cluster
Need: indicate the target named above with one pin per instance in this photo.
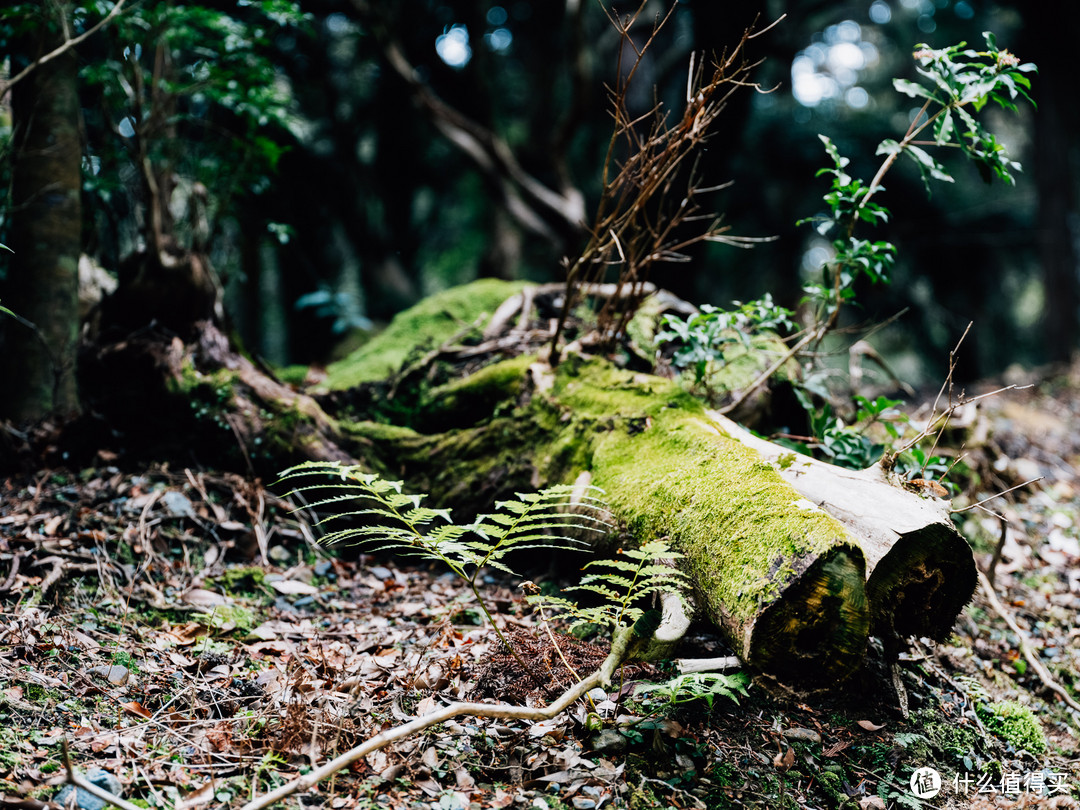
(650, 211)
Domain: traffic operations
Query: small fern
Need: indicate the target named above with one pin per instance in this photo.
(706, 686)
(621, 584)
(399, 521)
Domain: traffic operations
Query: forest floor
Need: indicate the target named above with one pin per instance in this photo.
(183, 631)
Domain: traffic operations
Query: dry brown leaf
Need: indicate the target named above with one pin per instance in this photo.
(200, 597)
(136, 708)
(868, 726)
(203, 795)
(785, 760)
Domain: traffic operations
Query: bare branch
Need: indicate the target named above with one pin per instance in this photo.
(68, 43)
(602, 676)
(648, 199)
(997, 495)
(524, 194)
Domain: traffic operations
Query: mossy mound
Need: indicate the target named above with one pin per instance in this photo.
(1015, 723)
(425, 326)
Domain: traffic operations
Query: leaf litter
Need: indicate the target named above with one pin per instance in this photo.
(184, 631)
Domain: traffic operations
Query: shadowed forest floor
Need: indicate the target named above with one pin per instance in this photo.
(184, 631)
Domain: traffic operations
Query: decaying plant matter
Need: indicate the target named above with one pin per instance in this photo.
(649, 211)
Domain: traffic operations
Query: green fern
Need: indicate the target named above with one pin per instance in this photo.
(399, 521)
(622, 584)
(706, 686)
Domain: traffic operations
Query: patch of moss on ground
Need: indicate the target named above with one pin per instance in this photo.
(427, 325)
(1014, 723)
(242, 581)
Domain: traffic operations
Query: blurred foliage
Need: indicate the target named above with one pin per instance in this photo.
(290, 116)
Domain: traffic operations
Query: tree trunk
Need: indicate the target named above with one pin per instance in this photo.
(46, 224)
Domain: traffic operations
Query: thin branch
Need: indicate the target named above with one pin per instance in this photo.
(524, 194)
(61, 49)
(602, 676)
(998, 495)
(1025, 645)
(82, 783)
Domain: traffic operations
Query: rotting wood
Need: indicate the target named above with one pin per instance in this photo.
(920, 570)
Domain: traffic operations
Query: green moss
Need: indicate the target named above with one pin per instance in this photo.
(242, 580)
(1014, 723)
(467, 400)
(786, 578)
(292, 375)
(665, 465)
(830, 781)
(233, 617)
(427, 325)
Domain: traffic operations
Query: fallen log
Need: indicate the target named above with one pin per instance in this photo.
(921, 570)
(796, 575)
(783, 579)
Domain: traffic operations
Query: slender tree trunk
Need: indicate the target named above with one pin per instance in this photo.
(1055, 162)
(46, 224)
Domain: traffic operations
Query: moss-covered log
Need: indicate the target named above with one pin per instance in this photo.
(921, 571)
(795, 575)
(783, 578)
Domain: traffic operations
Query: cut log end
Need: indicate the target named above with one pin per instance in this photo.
(815, 635)
(922, 584)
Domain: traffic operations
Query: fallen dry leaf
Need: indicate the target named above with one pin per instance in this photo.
(136, 708)
(785, 760)
(292, 587)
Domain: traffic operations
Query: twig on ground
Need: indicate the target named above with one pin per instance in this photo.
(1025, 647)
(83, 784)
(619, 647)
(991, 568)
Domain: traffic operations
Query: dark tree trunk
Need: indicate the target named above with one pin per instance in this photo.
(38, 362)
(1055, 159)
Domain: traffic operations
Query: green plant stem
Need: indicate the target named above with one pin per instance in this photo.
(506, 642)
(886, 164)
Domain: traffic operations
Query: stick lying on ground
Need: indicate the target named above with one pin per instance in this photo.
(624, 645)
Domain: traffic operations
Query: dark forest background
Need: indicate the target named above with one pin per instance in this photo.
(322, 157)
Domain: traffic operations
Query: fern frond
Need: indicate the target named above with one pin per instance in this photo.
(609, 577)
